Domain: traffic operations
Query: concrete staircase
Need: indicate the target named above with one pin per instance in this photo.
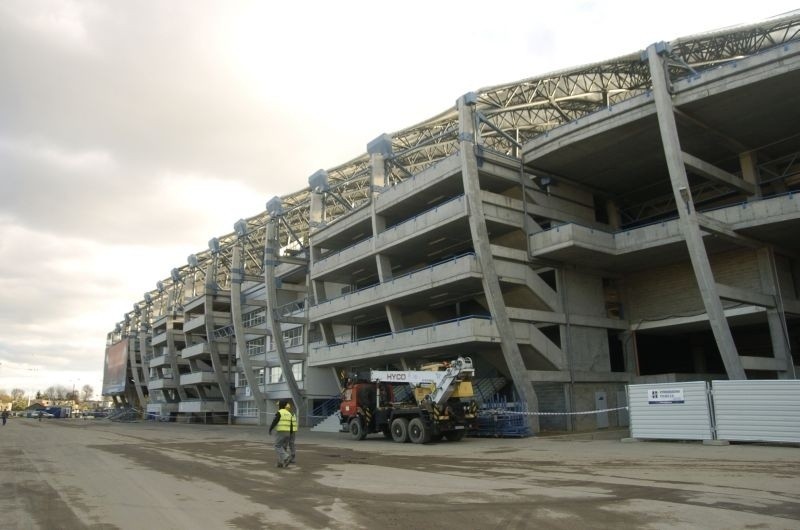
(329, 424)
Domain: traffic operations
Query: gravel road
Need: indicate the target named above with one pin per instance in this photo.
(74, 474)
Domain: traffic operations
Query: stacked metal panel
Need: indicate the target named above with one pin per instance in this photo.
(500, 418)
(673, 411)
(758, 411)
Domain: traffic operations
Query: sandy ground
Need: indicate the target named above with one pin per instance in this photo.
(71, 474)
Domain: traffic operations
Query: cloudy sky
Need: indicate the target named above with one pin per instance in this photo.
(133, 132)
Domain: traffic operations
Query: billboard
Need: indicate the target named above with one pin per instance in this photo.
(116, 368)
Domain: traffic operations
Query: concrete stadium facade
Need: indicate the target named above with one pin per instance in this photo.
(629, 221)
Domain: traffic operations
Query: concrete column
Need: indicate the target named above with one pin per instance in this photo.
(328, 335)
(271, 255)
(614, 218)
(133, 353)
(749, 165)
(318, 288)
(238, 327)
(690, 227)
(316, 209)
(483, 253)
(173, 358)
(220, 371)
(378, 222)
(378, 170)
(631, 355)
(395, 318)
(776, 318)
(384, 267)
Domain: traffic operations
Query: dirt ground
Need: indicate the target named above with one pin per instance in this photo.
(71, 474)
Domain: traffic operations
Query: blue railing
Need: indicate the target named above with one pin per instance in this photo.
(501, 418)
(325, 409)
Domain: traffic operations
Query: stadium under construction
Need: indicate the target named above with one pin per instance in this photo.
(630, 221)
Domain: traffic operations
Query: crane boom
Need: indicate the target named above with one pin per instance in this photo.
(441, 382)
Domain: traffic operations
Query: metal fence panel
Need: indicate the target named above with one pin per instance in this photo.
(758, 411)
(674, 411)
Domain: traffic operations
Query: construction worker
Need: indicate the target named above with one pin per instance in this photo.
(285, 425)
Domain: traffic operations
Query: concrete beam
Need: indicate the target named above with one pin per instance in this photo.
(292, 320)
(563, 376)
(718, 228)
(712, 172)
(768, 364)
(294, 287)
(549, 317)
(292, 260)
(546, 347)
(737, 294)
(791, 305)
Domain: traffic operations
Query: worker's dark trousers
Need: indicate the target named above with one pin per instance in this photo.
(284, 446)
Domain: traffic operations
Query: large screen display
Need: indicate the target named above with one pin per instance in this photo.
(116, 369)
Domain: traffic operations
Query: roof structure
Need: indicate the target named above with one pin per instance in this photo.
(510, 115)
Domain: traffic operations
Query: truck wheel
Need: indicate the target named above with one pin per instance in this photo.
(400, 430)
(455, 436)
(418, 432)
(357, 430)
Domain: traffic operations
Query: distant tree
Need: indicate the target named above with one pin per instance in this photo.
(62, 392)
(87, 392)
(38, 395)
(18, 399)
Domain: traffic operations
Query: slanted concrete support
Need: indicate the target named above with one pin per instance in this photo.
(133, 353)
(384, 265)
(238, 327)
(483, 252)
(144, 337)
(688, 217)
(776, 318)
(395, 318)
(271, 251)
(220, 372)
(173, 358)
